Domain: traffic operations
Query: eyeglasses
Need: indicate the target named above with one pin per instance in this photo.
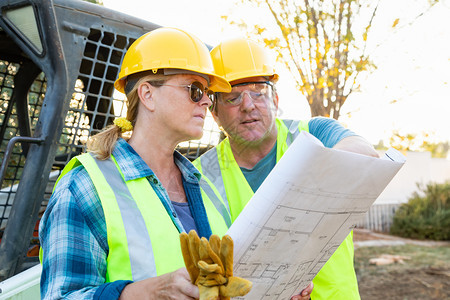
(257, 91)
(196, 90)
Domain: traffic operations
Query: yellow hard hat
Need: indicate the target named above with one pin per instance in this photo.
(242, 58)
(169, 48)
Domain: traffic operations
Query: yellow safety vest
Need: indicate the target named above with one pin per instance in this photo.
(143, 241)
(337, 278)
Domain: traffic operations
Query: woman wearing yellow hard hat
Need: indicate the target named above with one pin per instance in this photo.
(111, 228)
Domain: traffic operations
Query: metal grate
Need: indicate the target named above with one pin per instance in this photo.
(94, 105)
(9, 128)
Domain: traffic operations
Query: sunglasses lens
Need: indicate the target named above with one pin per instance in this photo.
(211, 96)
(196, 91)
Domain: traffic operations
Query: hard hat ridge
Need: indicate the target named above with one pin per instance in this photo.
(169, 48)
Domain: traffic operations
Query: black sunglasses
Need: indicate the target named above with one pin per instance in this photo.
(196, 90)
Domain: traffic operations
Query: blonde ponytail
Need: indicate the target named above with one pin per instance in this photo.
(102, 144)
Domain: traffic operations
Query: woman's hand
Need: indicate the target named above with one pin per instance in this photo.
(175, 285)
(305, 294)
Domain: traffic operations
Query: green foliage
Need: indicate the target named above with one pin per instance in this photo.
(419, 142)
(426, 215)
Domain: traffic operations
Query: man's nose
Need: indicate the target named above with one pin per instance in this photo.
(247, 101)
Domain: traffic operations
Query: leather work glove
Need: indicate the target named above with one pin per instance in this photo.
(210, 266)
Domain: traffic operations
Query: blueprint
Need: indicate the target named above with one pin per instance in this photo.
(302, 212)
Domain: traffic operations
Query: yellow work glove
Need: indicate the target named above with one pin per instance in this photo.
(235, 286)
(210, 266)
(190, 258)
(201, 267)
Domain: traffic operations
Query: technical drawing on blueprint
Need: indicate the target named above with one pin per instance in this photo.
(302, 212)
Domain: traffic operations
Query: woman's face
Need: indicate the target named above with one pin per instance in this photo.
(182, 117)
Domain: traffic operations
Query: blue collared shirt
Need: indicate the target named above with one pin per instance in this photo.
(327, 130)
(73, 228)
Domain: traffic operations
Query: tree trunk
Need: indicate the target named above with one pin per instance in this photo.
(316, 106)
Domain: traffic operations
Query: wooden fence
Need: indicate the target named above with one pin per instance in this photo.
(379, 217)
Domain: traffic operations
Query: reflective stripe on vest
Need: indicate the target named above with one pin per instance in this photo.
(208, 190)
(337, 278)
(143, 241)
(133, 223)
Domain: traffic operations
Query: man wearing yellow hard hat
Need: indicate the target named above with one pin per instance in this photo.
(257, 139)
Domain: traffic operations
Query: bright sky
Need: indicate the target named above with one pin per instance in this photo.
(409, 91)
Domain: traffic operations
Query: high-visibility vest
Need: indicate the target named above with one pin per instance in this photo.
(143, 241)
(337, 278)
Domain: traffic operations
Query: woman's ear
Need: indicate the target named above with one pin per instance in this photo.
(145, 93)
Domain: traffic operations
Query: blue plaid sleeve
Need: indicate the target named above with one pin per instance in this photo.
(74, 242)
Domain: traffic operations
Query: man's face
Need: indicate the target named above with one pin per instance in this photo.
(247, 113)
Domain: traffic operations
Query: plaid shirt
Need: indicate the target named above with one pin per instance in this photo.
(73, 229)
